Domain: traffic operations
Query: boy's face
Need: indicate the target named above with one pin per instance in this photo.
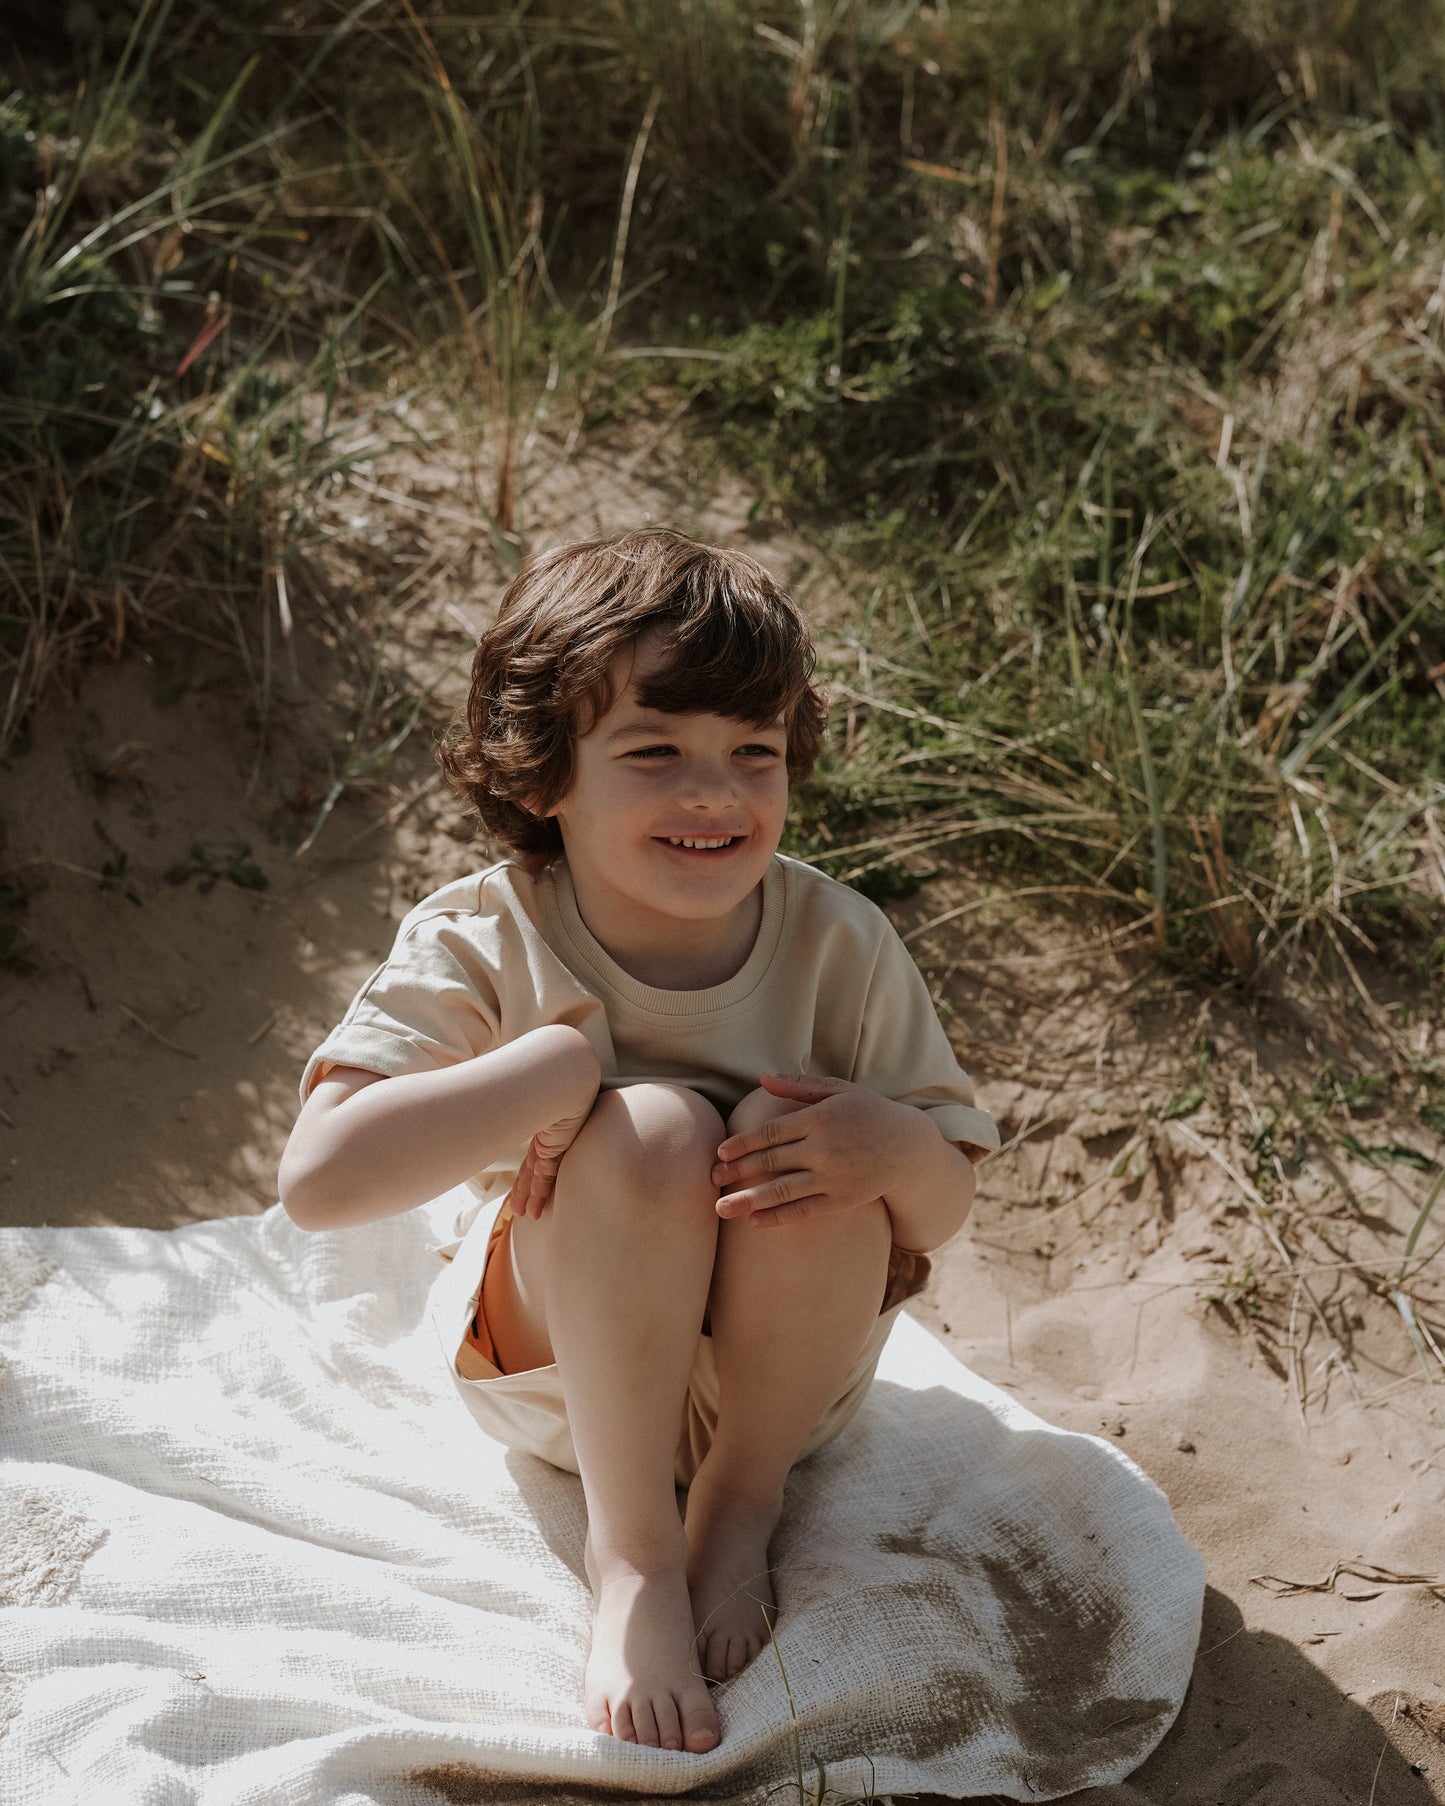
(643, 781)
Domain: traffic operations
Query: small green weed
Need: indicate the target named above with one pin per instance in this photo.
(1357, 1092)
(211, 864)
(1381, 1155)
(16, 954)
(114, 874)
(1242, 1291)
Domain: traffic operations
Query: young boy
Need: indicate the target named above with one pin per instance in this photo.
(700, 1089)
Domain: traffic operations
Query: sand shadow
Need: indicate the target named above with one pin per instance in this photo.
(180, 961)
(1262, 1726)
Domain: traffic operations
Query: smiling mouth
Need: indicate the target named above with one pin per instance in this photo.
(701, 843)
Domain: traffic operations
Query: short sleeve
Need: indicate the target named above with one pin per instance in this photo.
(433, 1004)
(904, 1053)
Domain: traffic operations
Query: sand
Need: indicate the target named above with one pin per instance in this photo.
(150, 1062)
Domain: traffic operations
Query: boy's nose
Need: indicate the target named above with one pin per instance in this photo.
(704, 782)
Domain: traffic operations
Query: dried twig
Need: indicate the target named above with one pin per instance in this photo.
(1377, 1578)
(155, 1034)
(265, 1029)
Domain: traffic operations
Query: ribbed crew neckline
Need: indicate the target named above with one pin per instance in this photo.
(560, 902)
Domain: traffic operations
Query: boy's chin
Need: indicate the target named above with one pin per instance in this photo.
(700, 899)
(701, 892)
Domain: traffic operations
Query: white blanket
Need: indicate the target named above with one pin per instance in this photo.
(254, 1551)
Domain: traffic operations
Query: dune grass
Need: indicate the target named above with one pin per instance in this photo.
(167, 420)
(1104, 340)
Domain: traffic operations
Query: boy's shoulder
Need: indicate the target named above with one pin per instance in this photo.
(505, 888)
(820, 899)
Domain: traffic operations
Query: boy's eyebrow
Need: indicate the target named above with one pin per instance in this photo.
(661, 724)
(652, 724)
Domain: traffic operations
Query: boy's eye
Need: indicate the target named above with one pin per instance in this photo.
(753, 750)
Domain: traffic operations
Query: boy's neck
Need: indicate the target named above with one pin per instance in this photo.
(662, 951)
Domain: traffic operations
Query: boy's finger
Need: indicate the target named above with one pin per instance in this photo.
(778, 1131)
(768, 1197)
(764, 1163)
(801, 1084)
(798, 1211)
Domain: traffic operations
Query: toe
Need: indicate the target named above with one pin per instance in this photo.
(701, 1730)
(669, 1723)
(738, 1655)
(644, 1722)
(715, 1660)
(622, 1726)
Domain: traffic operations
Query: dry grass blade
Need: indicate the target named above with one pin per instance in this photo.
(155, 1034)
(1276, 1241)
(619, 257)
(1421, 1339)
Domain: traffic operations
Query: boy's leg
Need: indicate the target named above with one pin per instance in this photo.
(791, 1308)
(612, 1281)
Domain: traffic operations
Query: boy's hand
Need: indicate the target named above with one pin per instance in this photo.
(536, 1179)
(846, 1148)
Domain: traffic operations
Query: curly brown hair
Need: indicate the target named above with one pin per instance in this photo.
(540, 677)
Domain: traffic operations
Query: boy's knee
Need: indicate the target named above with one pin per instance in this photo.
(640, 1125)
(757, 1108)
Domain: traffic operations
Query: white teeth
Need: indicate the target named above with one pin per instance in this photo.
(682, 841)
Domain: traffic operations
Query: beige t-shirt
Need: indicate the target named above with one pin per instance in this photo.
(828, 989)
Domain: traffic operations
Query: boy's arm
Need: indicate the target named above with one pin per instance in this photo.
(361, 1149)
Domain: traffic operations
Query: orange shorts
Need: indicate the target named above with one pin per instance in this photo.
(526, 1410)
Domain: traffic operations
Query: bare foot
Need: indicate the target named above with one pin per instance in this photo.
(727, 1576)
(641, 1683)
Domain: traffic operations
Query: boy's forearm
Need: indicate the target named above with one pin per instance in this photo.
(930, 1200)
(395, 1144)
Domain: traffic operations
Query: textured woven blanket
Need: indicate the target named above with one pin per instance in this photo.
(254, 1551)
